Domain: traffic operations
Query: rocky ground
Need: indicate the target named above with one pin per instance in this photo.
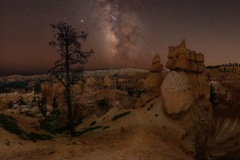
(146, 133)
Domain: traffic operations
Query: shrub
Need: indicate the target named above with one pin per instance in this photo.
(53, 125)
(147, 102)
(120, 115)
(88, 130)
(150, 100)
(6, 87)
(37, 86)
(93, 123)
(212, 97)
(149, 108)
(130, 91)
(10, 125)
(10, 104)
(42, 106)
(21, 101)
(35, 136)
(105, 127)
(103, 102)
(138, 92)
(54, 103)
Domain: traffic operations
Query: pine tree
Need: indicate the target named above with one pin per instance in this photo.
(212, 97)
(69, 67)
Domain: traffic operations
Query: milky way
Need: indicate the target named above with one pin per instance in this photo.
(122, 33)
(121, 30)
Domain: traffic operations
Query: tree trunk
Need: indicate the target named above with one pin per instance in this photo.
(69, 116)
(68, 96)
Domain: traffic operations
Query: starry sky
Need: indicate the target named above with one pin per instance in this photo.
(122, 33)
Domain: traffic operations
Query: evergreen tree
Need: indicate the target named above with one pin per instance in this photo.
(42, 106)
(212, 97)
(69, 67)
(10, 104)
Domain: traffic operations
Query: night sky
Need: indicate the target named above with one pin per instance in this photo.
(122, 33)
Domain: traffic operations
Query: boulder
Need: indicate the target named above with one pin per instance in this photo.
(181, 89)
(177, 93)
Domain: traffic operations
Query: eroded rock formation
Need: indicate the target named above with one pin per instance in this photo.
(107, 81)
(51, 90)
(183, 59)
(152, 83)
(91, 81)
(186, 81)
(154, 80)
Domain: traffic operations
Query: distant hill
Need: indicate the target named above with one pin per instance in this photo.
(97, 72)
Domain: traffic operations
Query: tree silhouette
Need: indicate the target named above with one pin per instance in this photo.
(42, 106)
(68, 69)
(212, 97)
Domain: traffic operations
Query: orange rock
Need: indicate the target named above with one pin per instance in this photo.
(181, 58)
(154, 80)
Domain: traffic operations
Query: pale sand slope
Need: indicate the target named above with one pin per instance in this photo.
(144, 134)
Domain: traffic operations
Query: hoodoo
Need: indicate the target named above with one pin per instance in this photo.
(186, 81)
(154, 80)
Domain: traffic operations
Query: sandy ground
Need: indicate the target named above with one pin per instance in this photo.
(136, 144)
(145, 134)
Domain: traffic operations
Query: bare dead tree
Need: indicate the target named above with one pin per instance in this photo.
(69, 68)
